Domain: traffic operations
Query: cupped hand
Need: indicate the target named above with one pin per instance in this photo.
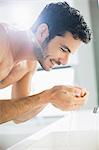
(68, 97)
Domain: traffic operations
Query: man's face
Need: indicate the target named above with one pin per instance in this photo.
(58, 50)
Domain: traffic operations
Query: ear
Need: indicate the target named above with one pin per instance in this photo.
(42, 32)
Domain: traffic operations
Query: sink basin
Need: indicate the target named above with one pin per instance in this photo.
(78, 131)
(75, 140)
(11, 133)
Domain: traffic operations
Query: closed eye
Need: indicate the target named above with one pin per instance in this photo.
(64, 50)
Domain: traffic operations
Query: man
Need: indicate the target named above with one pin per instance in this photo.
(58, 32)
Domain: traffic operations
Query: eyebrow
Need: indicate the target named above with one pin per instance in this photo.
(65, 47)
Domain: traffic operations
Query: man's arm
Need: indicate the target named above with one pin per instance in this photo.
(17, 73)
(10, 109)
(21, 89)
(21, 76)
(62, 97)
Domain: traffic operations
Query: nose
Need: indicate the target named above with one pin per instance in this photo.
(64, 60)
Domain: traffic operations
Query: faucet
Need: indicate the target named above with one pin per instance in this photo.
(96, 109)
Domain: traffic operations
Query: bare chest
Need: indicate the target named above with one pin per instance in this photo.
(6, 65)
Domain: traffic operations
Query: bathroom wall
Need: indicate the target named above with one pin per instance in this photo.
(86, 70)
(94, 9)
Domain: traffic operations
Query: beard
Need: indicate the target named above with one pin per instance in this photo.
(41, 52)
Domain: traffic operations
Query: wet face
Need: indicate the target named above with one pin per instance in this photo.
(58, 50)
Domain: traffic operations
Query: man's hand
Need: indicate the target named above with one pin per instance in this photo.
(68, 97)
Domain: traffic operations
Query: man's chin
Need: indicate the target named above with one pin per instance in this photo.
(47, 68)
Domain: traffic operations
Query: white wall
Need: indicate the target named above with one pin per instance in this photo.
(85, 71)
(94, 9)
(23, 13)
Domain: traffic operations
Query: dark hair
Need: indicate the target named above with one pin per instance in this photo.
(62, 18)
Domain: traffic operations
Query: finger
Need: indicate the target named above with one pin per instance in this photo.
(83, 91)
(81, 100)
(73, 107)
(74, 91)
(79, 92)
(70, 90)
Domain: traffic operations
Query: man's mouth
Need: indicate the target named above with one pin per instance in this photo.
(54, 62)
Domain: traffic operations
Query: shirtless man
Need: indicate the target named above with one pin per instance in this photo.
(58, 31)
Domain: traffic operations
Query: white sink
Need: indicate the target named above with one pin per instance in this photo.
(78, 131)
(81, 140)
(11, 133)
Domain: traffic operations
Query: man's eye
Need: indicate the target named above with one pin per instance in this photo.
(63, 50)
